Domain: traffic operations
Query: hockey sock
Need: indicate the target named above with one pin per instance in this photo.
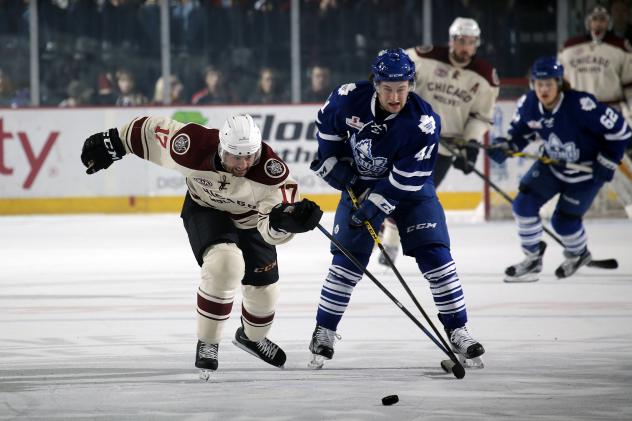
(530, 232)
(435, 262)
(336, 292)
(571, 231)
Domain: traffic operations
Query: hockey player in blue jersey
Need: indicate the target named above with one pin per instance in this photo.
(380, 138)
(574, 128)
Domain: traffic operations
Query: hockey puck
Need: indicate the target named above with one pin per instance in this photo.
(390, 399)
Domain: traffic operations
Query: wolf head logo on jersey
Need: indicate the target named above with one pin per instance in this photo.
(556, 149)
(366, 163)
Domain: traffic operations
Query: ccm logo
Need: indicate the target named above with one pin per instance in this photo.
(422, 226)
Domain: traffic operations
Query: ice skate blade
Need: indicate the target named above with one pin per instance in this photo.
(475, 363)
(205, 375)
(517, 280)
(469, 363)
(317, 361)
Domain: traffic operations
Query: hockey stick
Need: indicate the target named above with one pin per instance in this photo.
(458, 370)
(400, 278)
(544, 159)
(601, 264)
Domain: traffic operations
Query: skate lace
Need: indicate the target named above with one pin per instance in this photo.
(208, 351)
(326, 337)
(461, 338)
(267, 348)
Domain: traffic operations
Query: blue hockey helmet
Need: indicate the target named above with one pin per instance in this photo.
(547, 68)
(393, 65)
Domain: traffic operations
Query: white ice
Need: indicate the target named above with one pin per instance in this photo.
(97, 321)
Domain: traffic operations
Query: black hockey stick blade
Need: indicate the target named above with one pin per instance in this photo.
(604, 264)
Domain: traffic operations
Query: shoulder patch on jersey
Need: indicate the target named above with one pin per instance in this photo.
(346, 88)
(194, 147)
(274, 168)
(270, 170)
(180, 144)
(587, 103)
(427, 124)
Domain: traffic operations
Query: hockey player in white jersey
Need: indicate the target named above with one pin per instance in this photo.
(575, 128)
(241, 202)
(462, 88)
(600, 63)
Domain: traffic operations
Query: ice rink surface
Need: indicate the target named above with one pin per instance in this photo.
(97, 321)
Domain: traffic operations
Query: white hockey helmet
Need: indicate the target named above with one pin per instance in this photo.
(240, 136)
(597, 10)
(465, 27)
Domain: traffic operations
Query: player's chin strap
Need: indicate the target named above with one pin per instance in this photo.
(458, 370)
(602, 264)
(399, 276)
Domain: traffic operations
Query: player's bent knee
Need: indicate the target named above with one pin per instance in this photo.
(526, 204)
(223, 267)
(565, 223)
(432, 256)
(258, 306)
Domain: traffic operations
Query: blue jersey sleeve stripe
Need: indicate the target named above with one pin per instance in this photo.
(622, 134)
(331, 137)
(404, 187)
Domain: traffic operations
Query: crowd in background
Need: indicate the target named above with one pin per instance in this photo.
(107, 52)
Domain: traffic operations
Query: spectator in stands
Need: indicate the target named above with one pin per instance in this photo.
(268, 90)
(215, 91)
(620, 13)
(128, 94)
(78, 94)
(10, 97)
(319, 85)
(105, 89)
(177, 91)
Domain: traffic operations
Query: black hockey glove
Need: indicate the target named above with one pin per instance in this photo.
(295, 217)
(466, 159)
(101, 149)
(501, 149)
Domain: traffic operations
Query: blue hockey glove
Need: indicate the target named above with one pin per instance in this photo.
(604, 168)
(466, 159)
(368, 210)
(338, 174)
(501, 149)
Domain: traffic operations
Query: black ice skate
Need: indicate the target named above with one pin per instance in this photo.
(392, 253)
(322, 346)
(529, 269)
(572, 263)
(206, 358)
(467, 349)
(265, 349)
